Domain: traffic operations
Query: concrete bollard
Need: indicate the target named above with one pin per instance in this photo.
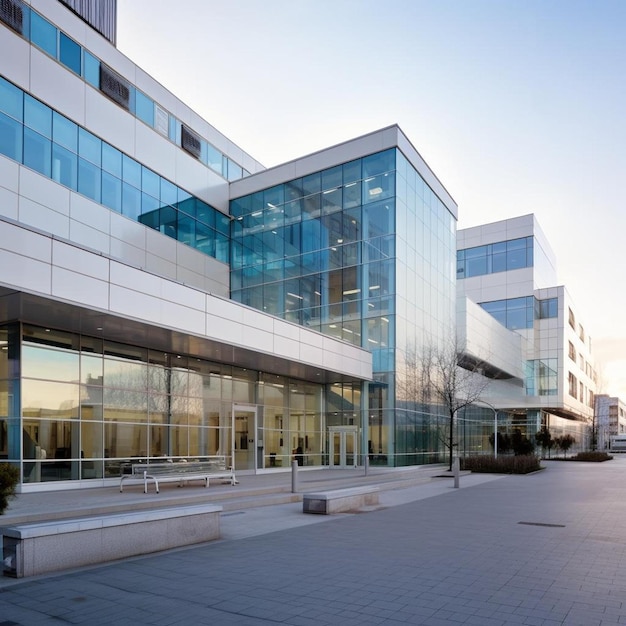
(456, 471)
(366, 463)
(294, 477)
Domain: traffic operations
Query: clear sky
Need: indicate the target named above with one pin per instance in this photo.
(517, 105)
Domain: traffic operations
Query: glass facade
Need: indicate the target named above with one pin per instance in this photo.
(517, 313)
(495, 257)
(363, 252)
(77, 407)
(35, 135)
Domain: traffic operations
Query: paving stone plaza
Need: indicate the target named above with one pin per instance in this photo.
(540, 550)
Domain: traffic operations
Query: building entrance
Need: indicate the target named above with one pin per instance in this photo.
(342, 446)
(245, 437)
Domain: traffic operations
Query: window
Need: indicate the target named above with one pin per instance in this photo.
(43, 34)
(144, 107)
(572, 319)
(581, 332)
(495, 257)
(70, 53)
(572, 351)
(573, 384)
(548, 308)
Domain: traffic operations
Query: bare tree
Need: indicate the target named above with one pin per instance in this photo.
(445, 375)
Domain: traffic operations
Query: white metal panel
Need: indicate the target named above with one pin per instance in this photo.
(89, 212)
(80, 261)
(127, 253)
(179, 316)
(44, 191)
(109, 121)
(26, 242)
(17, 49)
(8, 203)
(79, 288)
(43, 218)
(58, 87)
(9, 174)
(89, 237)
(22, 272)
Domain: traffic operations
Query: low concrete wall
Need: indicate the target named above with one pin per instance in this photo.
(31, 549)
(339, 500)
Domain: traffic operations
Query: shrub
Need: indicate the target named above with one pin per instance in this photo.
(592, 457)
(501, 465)
(9, 477)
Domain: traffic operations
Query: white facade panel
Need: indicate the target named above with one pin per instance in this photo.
(44, 191)
(15, 48)
(58, 88)
(43, 218)
(14, 238)
(84, 235)
(9, 174)
(72, 258)
(92, 214)
(22, 272)
(110, 122)
(77, 287)
(8, 204)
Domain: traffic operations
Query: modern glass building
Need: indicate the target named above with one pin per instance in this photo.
(165, 296)
(362, 250)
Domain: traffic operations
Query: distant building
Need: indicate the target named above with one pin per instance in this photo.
(610, 419)
(508, 269)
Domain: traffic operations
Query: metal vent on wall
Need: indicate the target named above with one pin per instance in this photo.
(114, 86)
(190, 142)
(12, 15)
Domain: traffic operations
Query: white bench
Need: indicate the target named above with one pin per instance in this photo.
(339, 500)
(179, 472)
(37, 548)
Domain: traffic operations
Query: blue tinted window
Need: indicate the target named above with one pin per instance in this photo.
(186, 230)
(64, 132)
(89, 179)
(234, 170)
(64, 166)
(144, 108)
(221, 247)
(132, 172)
(169, 192)
(204, 213)
(205, 239)
(37, 116)
(91, 69)
(214, 159)
(222, 222)
(43, 34)
(148, 203)
(150, 182)
(11, 100)
(172, 128)
(10, 138)
(89, 146)
(131, 201)
(112, 192)
(37, 152)
(69, 53)
(379, 163)
(111, 160)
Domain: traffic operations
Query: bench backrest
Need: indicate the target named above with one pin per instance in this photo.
(192, 467)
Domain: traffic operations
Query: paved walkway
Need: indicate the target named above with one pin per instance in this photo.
(544, 549)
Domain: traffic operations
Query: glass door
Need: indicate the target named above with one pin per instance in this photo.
(244, 437)
(342, 446)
